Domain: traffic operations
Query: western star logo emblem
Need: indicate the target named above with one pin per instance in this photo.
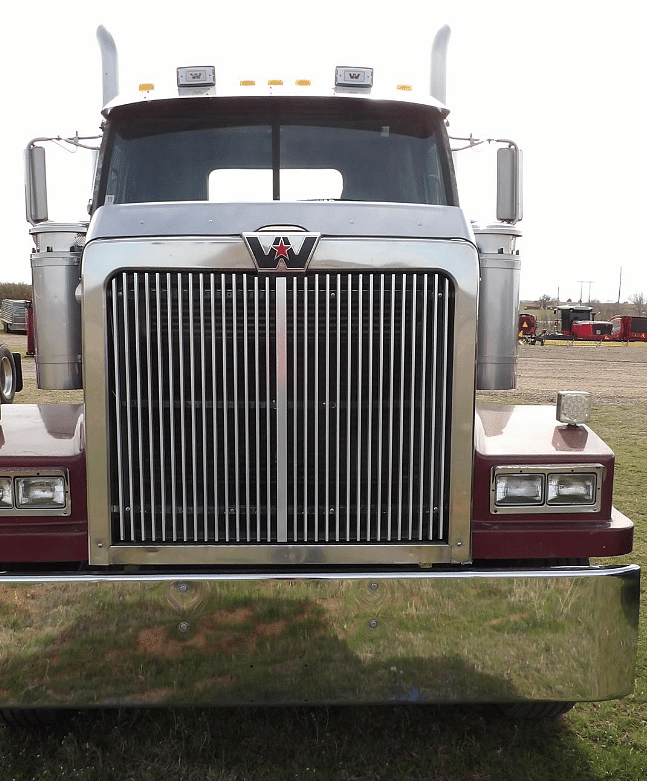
(281, 251)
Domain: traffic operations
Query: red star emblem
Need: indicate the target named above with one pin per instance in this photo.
(281, 249)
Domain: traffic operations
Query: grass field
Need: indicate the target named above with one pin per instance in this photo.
(594, 741)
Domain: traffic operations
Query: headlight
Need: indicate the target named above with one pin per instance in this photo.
(40, 493)
(519, 489)
(6, 492)
(571, 489)
(553, 488)
(35, 492)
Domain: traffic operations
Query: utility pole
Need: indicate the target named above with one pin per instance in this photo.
(588, 282)
(620, 284)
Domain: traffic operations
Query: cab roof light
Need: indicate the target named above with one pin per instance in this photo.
(146, 87)
(275, 82)
(196, 80)
(355, 78)
(248, 83)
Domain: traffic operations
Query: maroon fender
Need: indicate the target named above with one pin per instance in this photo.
(41, 437)
(528, 436)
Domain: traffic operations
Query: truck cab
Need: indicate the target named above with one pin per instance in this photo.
(280, 487)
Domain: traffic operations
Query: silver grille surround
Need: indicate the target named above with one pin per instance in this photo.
(284, 537)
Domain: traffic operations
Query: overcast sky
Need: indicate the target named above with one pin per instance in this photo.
(565, 80)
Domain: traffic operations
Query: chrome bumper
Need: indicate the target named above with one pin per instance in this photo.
(464, 636)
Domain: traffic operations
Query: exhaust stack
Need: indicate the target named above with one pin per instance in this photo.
(109, 64)
(438, 80)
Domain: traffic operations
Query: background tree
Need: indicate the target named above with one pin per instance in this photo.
(638, 300)
(544, 301)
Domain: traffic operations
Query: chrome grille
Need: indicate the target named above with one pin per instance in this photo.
(311, 409)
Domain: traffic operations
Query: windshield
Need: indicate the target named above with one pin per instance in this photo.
(277, 149)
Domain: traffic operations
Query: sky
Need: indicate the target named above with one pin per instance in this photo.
(564, 80)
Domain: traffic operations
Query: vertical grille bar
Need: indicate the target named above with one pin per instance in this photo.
(281, 410)
(161, 438)
(257, 407)
(360, 390)
(118, 420)
(214, 472)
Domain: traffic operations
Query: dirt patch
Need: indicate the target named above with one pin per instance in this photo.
(611, 373)
(156, 642)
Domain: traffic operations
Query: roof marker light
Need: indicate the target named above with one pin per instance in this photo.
(248, 83)
(275, 82)
(303, 83)
(146, 87)
(404, 87)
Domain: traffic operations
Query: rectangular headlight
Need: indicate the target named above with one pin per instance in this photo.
(40, 493)
(570, 489)
(6, 492)
(519, 490)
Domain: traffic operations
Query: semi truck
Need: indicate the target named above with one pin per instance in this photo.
(280, 487)
(13, 314)
(579, 323)
(626, 328)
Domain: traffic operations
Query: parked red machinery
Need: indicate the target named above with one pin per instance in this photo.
(579, 323)
(528, 329)
(592, 330)
(626, 328)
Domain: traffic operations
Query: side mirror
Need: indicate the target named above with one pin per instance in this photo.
(509, 198)
(35, 184)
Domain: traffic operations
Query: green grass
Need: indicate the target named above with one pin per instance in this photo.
(453, 743)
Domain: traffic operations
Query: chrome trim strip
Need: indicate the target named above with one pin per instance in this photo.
(203, 432)
(369, 453)
(257, 411)
(268, 396)
(360, 364)
(443, 412)
(316, 410)
(412, 431)
(423, 392)
(338, 407)
(327, 415)
(225, 401)
(311, 554)
(117, 391)
(273, 638)
(305, 411)
(281, 311)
